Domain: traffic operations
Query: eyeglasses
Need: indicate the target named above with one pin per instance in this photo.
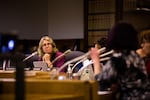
(46, 44)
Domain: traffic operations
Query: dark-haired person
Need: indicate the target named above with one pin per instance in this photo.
(144, 50)
(101, 43)
(125, 72)
(48, 51)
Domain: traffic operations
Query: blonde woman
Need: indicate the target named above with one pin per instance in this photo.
(48, 51)
(144, 50)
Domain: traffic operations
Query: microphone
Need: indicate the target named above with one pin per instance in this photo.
(78, 63)
(101, 59)
(62, 55)
(86, 55)
(4, 64)
(33, 54)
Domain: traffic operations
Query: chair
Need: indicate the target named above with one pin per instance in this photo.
(29, 62)
(72, 55)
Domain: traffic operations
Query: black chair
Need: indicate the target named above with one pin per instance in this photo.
(29, 62)
(72, 55)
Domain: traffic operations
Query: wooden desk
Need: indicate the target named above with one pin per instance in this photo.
(43, 97)
(7, 74)
(54, 89)
(39, 86)
(28, 74)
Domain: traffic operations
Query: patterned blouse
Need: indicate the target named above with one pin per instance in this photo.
(127, 70)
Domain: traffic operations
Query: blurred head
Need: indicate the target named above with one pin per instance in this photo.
(122, 36)
(101, 42)
(46, 45)
(144, 41)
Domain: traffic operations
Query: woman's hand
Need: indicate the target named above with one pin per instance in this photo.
(46, 57)
(94, 54)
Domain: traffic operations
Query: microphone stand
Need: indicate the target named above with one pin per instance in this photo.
(78, 58)
(101, 51)
(102, 59)
(34, 53)
(78, 63)
(66, 52)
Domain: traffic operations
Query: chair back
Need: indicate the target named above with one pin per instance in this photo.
(73, 55)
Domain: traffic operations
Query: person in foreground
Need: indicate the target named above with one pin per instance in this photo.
(48, 51)
(124, 74)
(101, 43)
(144, 50)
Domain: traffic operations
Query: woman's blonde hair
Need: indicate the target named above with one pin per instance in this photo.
(40, 51)
(144, 36)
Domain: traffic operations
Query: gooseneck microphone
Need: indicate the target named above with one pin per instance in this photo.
(86, 55)
(62, 55)
(101, 59)
(33, 54)
(101, 55)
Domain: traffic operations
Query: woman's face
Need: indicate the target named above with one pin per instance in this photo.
(146, 48)
(97, 46)
(47, 46)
